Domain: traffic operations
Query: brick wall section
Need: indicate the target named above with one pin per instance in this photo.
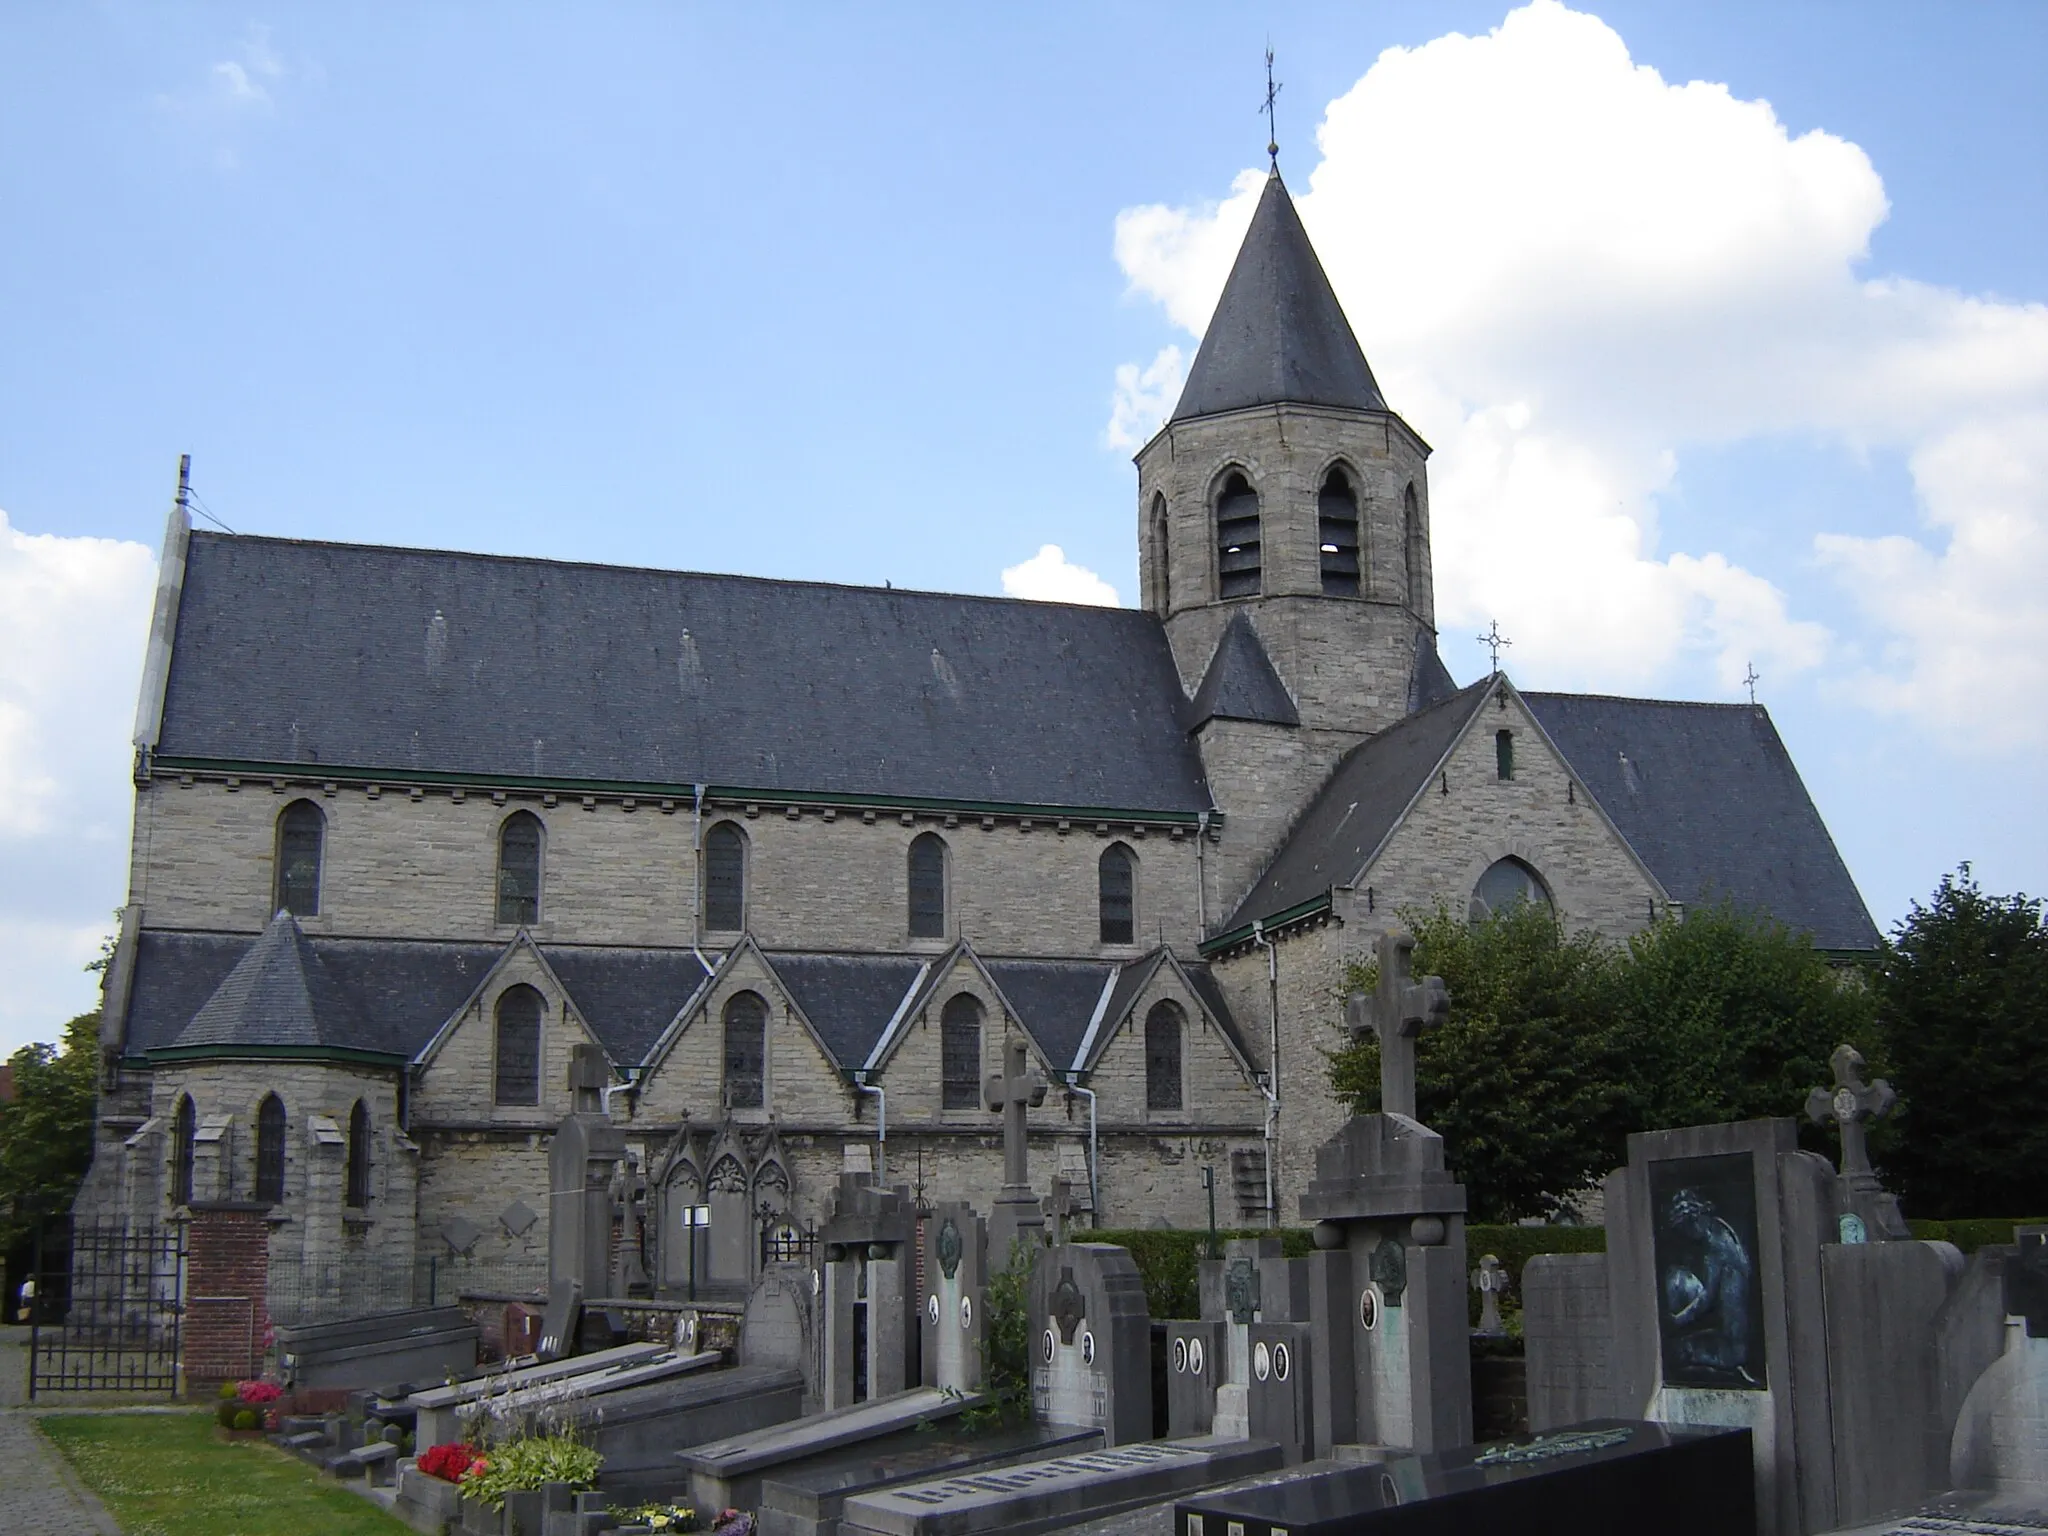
(227, 1275)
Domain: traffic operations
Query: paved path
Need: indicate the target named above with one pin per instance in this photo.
(39, 1493)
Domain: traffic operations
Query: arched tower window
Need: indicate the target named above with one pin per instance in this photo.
(928, 886)
(960, 1052)
(1164, 1027)
(519, 868)
(1162, 548)
(1237, 538)
(1337, 532)
(270, 1150)
(518, 1075)
(1506, 883)
(725, 878)
(1504, 754)
(1411, 546)
(746, 1051)
(301, 833)
(184, 1129)
(358, 1157)
(1116, 878)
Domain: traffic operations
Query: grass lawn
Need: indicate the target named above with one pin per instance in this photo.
(164, 1474)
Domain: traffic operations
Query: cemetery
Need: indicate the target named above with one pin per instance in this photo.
(1756, 1343)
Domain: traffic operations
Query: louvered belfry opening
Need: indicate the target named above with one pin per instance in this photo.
(960, 1052)
(928, 887)
(1337, 532)
(1237, 539)
(1411, 545)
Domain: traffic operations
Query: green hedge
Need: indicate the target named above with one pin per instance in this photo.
(1972, 1235)
(1167, 1258)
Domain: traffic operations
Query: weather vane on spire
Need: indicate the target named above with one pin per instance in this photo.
(1272, 132)
(1752, 677)
(1496, 642)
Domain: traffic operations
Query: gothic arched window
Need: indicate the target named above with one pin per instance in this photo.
(725, 879)
(184, 1131)
(1237, 538)
(1504, 754)
(1507, 883)
(1411, 546)
(358, 1157)
(960, 1052)
(518, 1074)
(746, 1052)
(519, 868)
(1163, 1033)
(1161, 554)
(928, 886)
(301, 832)
(1116, 875)
(270, 1150)
(1337, 535)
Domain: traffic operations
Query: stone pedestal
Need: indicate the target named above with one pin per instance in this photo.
(1091, 1336)
(870, 1293)
(1383, 1196)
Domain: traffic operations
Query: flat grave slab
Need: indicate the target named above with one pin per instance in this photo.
(376, 1350)
(1045, 1495)
(728, 1473)
(806, 1500)
(639, 1429)
(1603, 1475)
(439, 1410)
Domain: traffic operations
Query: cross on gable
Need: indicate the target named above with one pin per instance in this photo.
(1851, 1104)
(1010, 1093)
(1398, 1011)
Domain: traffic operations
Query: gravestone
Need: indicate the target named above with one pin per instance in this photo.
(1194, 1357)
(1012, 1093)
(1091, 1335)
(780, 1325)
(1605, 1476)
(562, 1322)
(581, 1158)
(2000, 1443)
(1382, 1195)
(1232, 1293)
(1868, 1214)
(437, 1410)
(870, 1300)
(377, 1349)
(1567, 1332)
(955, 1278)
(729, 1472)
(1490, 1281)
(1281, 1408)
(628, 1195)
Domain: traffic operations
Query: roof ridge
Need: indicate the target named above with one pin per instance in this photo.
(1630, 698)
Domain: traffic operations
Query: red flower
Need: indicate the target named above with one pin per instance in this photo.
(450, 1462)
(257, 1393)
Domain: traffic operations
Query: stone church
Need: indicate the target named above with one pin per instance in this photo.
(800, 859)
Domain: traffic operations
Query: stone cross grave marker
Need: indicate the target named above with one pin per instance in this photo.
(1490, 1280)
(1059, 1207)
(1851, 1104)
(1013, 1093)
(1398, 1011)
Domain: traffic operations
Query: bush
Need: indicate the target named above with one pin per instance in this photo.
(230, 1390)
(224, 1415)
(1515, 1247)
(520, 1466)
(1972, 1235)
(246, 1419)
(1005, 1345)
(1167, 1260)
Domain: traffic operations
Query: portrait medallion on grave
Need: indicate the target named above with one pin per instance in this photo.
(1708, 1272)
(1241, 1290)
(1389, 1268)
(949, 1248)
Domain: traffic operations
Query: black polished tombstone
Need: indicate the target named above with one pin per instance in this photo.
(1194, 1361)
(1607, 1475)
(1280, 1400)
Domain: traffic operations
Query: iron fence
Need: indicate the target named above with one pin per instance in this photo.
(108, 1309)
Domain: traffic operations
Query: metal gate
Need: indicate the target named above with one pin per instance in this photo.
(107, 1310)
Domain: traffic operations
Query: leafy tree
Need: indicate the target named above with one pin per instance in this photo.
(1532, 1082)
(1734, 1017)
(1962, 995)
(46, 1131)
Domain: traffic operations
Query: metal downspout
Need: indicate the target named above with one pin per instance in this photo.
(1272, 1090)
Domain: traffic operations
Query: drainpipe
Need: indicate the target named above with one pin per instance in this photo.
(1201, 876)
(697, 885)
(1272, 1088)
(861, 1085)
(1094, 1186)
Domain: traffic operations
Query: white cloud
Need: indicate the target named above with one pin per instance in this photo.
(231, 91)
(1571, 272)
(1049, 577)
(74, 615)
(1143, 397)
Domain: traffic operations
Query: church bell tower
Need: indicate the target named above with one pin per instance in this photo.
(1284, 536)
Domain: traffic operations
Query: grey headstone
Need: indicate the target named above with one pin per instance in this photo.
(780, 1324)
(560, 1323)
(1567, 1322)
(1280, 1388)
(955, 1280)
(1194, 1364)
(1091, 1334)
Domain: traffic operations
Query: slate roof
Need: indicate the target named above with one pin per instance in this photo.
(1054, 999)
(1240, 683)
(1709, 799)
(1278, 332)
(1357, 807)
(280, 994)
(849, 999)
(421, 661)
(627, 996)
(1430, 682)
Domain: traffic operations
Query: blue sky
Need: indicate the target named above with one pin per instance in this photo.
(845, 295)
